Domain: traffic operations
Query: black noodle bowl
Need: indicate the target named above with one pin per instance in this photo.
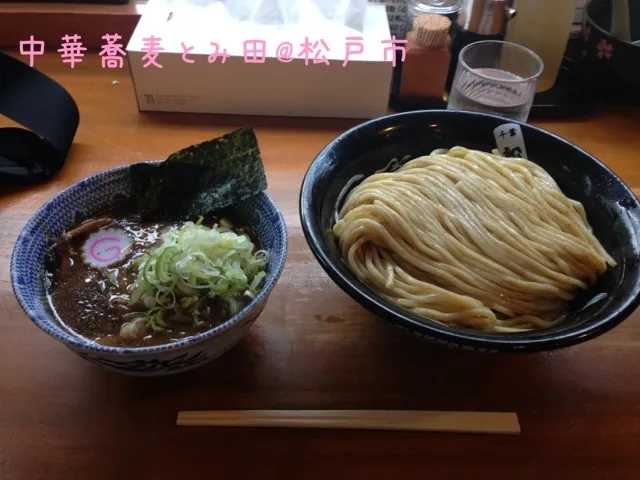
(612, 209)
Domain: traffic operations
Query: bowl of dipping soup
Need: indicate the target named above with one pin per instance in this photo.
(127, 295)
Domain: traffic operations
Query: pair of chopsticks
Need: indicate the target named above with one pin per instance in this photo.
(415, 420)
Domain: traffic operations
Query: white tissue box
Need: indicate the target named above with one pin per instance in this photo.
(276, 87)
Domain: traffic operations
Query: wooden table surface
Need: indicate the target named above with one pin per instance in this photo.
(312, 348)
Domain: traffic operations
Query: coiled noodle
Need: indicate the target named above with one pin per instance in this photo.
(471, 239)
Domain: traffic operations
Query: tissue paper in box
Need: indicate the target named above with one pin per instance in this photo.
(263, 57)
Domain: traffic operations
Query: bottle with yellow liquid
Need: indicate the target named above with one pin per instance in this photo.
(543, 26)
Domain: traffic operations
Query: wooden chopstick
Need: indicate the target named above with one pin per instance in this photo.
(417, 420)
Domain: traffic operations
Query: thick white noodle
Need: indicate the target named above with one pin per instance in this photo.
(471, 239)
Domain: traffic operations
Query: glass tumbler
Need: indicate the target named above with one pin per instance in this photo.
(496, 77)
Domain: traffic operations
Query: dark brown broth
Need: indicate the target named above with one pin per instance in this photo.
(83, 296)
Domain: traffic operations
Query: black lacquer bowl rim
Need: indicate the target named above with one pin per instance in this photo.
(429, 329)
(592, 21)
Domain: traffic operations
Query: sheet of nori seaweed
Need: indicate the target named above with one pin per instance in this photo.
(201, 178)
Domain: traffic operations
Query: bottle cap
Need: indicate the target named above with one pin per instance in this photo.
(431, 30)
(448, 8)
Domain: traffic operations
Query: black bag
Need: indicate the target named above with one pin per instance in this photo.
(40, 104)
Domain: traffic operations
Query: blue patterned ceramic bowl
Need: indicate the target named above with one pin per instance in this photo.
(87, 198)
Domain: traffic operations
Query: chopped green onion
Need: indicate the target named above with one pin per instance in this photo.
(158, 319)
(193, 265)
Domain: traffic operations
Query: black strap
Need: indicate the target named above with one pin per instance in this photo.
(40, 104)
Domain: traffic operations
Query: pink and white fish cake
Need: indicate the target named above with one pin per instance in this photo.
(106, 247)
